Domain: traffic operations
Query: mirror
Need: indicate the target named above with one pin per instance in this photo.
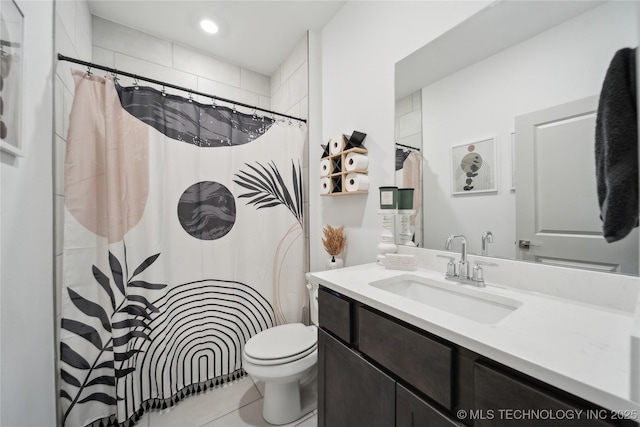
(469, 85)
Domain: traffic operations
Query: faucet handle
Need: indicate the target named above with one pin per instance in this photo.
(451, 266)
(478, 274)
(487, 263)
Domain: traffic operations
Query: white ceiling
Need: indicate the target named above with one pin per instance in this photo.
(257, 35)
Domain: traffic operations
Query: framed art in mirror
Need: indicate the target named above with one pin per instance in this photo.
(11, 58)
(473, 167)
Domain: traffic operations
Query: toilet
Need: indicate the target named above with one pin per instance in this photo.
(284, 357)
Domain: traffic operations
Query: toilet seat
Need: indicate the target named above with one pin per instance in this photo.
(281, 344)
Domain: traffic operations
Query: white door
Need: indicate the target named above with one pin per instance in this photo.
(557, 212)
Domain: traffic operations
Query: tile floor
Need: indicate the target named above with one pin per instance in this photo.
(238, 404)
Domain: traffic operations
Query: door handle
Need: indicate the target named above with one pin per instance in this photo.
(526, 244)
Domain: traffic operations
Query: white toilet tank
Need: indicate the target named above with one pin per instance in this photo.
(313, 303)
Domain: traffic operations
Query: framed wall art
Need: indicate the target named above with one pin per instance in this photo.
(11, 58)
(473, 167)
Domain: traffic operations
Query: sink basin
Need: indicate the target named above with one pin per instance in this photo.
(474, 304)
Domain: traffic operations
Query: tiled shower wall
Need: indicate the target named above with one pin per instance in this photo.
(94, 39)
(409, 120)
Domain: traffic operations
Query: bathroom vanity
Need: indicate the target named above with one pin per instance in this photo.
(390, 356)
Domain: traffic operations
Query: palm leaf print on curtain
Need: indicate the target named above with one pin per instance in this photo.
(268, 189)
(166, 272)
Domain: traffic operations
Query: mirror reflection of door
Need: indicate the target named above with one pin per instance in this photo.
(558, 217)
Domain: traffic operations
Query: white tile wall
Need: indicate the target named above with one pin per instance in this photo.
(118, 38)
(404, 106)
(104, 57)
(205, 66)
(129, 50)
(280, 100)
(255, 82)
(290, 83)
(58, 108)
(408, 124)
(228, 92)
(155, 71)
(275, 81)
(416, 100)
(58, 179)
(299, 83)
(295, 60)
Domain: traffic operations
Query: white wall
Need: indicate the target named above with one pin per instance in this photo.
(360, 47)
(563, 64)
(27, 328)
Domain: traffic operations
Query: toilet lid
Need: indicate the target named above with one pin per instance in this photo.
(282, 342)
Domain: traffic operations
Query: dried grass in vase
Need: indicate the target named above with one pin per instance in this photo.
(334, 240)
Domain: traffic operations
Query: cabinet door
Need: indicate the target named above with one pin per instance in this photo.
(335, 314)
(504, 400)
(412, 411)
(415, 358)
(351, 391)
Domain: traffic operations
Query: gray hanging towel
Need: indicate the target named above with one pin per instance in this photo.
(616, 147)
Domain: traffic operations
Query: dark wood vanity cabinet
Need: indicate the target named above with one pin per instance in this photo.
(502, 399)
(353, 391)
(422, 362)
(414, 411)
(377, 371)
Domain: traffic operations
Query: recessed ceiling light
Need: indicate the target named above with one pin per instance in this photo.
(209, 26)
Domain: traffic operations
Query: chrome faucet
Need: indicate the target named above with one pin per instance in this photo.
(463, 265)
(462, 275)
(487, 237)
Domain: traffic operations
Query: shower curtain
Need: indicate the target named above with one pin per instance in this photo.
(182, 239)
(409, 175)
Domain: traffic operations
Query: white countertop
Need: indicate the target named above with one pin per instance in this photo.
(578, 347)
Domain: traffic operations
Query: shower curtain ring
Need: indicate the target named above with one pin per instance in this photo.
(88, 73)
(190, 96)
(135, 83)
(213, 104)
(164, 91)
(234, 109)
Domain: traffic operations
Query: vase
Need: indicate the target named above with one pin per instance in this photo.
(335, 261)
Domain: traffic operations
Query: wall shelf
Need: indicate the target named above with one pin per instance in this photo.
(339, 172)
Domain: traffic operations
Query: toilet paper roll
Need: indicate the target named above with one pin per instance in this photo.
(357, 182)
(325, 167)
(356, 161)
(325, 185)
(337, 144)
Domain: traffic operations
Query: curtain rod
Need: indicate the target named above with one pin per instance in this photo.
(147, 79)
(407, 146)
